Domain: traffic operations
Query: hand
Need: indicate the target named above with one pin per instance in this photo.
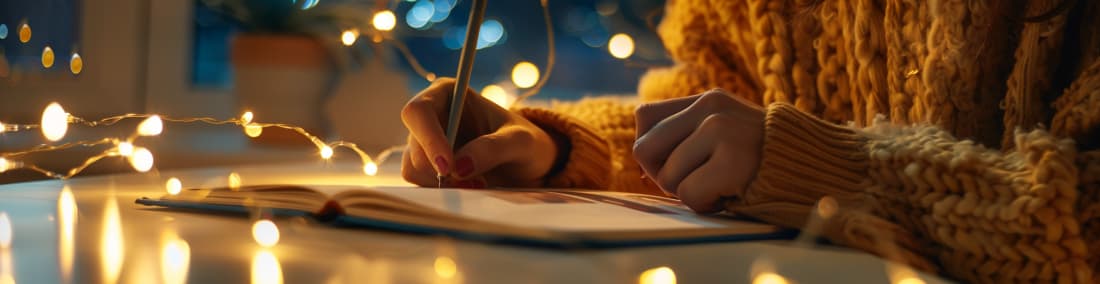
(700, 148)
(495, 146)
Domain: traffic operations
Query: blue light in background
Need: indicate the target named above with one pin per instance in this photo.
(491, 32)
(309, 4)
(452, 38)
(3, 31)
(442, 10)
(420, 14)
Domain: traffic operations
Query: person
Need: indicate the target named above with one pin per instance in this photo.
(960, 137)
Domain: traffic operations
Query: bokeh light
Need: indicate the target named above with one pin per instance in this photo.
(265, 233)
(420, 14)
(246, 117)
(253, 130)
(55, 122)
(445, 267)
(307, 4)
(525, 74)
(384, 20)
(125, 149)
(769, 278)
(173, 186)
(24, 33)
(47, 57)
(490, 34)
(76, 64)
(266, 268)
(4, 165)
(658, 275)
(621, 46)
(3, 31)
(441, 10)
(112, 249)
(498, 95)
(5, 231)
(326, 152)
(348, 37)
(234, 181)
(141, 160)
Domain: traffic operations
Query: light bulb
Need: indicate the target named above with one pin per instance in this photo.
(173, 186)
(370, 169)
(769, 278)
(4, 165)
(246, 117)
(24, 33)
(659, 275)
(384, 20)
(621, 46)
(234, 181)
(348, 37)
(76, 64)
(497, 95)
(265, 233)
(141, 160)
(125, 149)
(3, 127)
(47, 57)
(253, 130)
(326, 152)
(55, 122)
(151, 126)
(525, 74)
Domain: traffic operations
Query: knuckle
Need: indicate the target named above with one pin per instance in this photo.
(413, 107)
(715, 122)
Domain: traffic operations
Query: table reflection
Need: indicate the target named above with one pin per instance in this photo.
(7, 269)
(266, 268)
(175, 257)
(111, 248)
(66, 229)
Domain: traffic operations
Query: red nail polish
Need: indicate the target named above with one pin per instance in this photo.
(441, 165)
(464, 167)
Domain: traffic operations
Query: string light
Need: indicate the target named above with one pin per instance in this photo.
(47, 57)
(24, 33)
(348, 37)
(141, 160)
(265, 233)
(525, 74)
(659, 275)
(370, 169)
(497, 95)
(55, 122)
(151, 126)
(621, 46)
(234, 181)
(246, 117)
(326, 152)
(769, 278)
(384, 20)
(125, 149)
(445, 267)
(76, 64)
(173, 186)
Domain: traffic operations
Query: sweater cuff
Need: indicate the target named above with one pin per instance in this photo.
(588, 164)
(805, 158)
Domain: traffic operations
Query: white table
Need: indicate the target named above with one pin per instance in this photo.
(85, 239)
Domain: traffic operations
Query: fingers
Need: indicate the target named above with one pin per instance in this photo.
(695, 150)
(421, 117)
(646, 115)
(415, 167)
(485, 153)
(653, 147)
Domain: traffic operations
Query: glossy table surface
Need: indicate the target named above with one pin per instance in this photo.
(89, 230)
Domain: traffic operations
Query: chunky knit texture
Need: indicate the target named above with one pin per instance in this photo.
(925, 120)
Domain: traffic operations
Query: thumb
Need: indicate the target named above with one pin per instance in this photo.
(487, 152)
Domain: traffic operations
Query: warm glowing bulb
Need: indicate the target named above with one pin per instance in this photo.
(125, 149)
(265, 233)
(151, 126)
(659, 275)
(4, 165)
(141, 160)
(827, 207)
(76, 64)
(769, 278)
(384, 20)
(47, 57)
(445, 267)
(497, 95)
(234, 181)
(246, 117)
(370, 169)
(266, 268)
(5, 231)
(55, 122)
(3, 127)
(621, 46)
(525, 74)
(24, 33)
(349, 37)
(253, 130)
(910, 280)
(174, 186)
(326, 152)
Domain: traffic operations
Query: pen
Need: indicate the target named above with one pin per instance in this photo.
(465, 66)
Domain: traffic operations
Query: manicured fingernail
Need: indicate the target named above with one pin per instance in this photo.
(464, 167)
(441, 165)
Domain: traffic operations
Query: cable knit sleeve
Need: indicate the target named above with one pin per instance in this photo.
(983, 215)
(600, 132)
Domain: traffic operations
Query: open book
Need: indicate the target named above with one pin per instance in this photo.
(554, 218)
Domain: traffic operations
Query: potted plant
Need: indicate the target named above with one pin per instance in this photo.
(287, 57)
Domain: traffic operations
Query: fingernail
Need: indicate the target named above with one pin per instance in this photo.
(441, 165)
(464, 167)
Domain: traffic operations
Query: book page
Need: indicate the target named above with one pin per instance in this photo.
(561, 210)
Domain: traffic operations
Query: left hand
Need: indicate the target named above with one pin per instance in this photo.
(700, 148)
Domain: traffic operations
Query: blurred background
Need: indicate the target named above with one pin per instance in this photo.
(339, 68)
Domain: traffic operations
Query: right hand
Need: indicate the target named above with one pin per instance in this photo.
(496, 147)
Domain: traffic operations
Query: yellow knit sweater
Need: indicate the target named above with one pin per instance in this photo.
(959, 136)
